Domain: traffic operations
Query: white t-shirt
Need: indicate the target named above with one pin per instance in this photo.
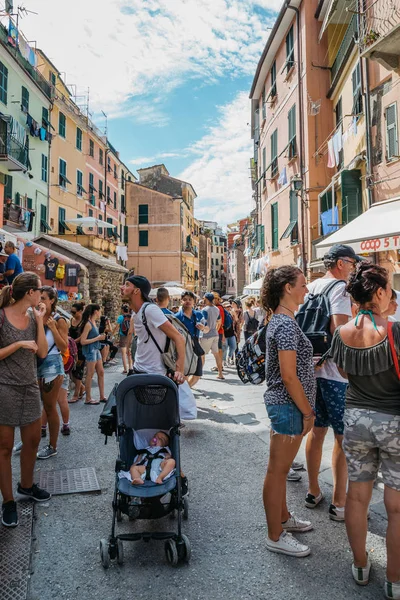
(148, 357)
(340, 305)
(396, 316)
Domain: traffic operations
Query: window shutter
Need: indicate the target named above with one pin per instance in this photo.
(391, 132)
(264, 112)
(262, 238)
(351, 195)
(274, 226)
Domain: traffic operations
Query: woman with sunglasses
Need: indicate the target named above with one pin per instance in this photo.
(22, 339)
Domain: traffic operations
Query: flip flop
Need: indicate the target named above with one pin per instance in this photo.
(81, 395)
(73, 400)
(221, 378)
(92, 402)
(104, 400)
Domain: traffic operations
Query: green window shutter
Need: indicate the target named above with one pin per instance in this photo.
(61, 221)
(273, 80)
(3, 83)
(143, 214)
(44, 226)
(79, 138)
(100, 156)
(292, 150)
(294, 206)
(392, 146)
(29, 203)
(274, 153)
(290, 49)
(357, 91)
(8, 187)
(109, 229)
(45, 117)
(264, 111)
(62, 173)
(44, 167)
(91, 148)
(24, 99)
(274, 226)
(61, 125)
(126, 233)
(115, 199)
(17, 198)
(262, 238)
(351, 195)
(143, 238)
(101, 194)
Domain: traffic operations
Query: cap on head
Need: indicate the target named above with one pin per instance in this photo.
(209, 296)
(143, 284)
(342, 251)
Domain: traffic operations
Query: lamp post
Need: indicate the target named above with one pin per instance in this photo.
(297, 186)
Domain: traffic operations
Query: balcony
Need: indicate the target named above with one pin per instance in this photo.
(14, 217)
(380, 33)
(189, 249)
(12, 153)
(345, 49)
(92, 242)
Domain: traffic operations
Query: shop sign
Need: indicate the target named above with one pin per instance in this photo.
(378, 244)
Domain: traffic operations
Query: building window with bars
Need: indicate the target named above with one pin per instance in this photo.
(392, 144)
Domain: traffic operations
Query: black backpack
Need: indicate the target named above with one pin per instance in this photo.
(250, 360)
(252, 323)
(314, 319)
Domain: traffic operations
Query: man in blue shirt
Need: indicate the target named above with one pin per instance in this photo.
(162, 300)
(13, 265)
(194, 323)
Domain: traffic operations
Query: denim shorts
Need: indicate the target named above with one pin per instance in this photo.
(286, 419)
(51, 368)
(92, 355)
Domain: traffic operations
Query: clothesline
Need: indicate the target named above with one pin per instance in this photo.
(323, 147)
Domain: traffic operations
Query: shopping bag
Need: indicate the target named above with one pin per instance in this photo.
(187, 402)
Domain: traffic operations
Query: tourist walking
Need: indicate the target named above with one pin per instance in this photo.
(290, 400)
(367, 350)
(122, 327)
(75, 331)
(194, 323)
(22, 340)
(250, 318)
(90, 341)
(51, 369)
(339, 262)
(230, 345)
(238, 320)
(163, 299)
(209, 341)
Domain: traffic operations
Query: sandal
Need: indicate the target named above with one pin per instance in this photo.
(92, 402)
(221, 378)
(81, 395)
(73, 400)
(104, 400)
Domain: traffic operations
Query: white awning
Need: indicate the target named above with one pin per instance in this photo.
(376, 230)
(253, 288)
(6, 236)
(90, 222)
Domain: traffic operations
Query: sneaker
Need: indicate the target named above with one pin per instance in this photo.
(65, 429)
(361, 574)
(287, 544)
(35, 493)
(313, 501)
(293, 476)
(10, 516)
(17, 448)
(46, 452)
(297, 466)
(392, 590)
(44, 432)
(336, 513)
(295, 524)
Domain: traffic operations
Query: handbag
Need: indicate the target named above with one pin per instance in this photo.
(393, 350)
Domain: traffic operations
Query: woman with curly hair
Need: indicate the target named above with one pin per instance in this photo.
(367, 350)
(290, 401)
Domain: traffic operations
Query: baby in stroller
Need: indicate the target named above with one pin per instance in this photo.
(156, 460)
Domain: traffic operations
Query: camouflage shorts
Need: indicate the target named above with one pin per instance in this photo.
(372, 442)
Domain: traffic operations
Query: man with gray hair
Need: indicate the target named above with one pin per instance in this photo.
(13, 265)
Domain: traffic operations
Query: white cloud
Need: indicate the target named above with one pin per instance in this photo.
(146, 160)
(220, 172)
(123, 49)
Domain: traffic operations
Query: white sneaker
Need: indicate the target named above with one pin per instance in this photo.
(297, 465)
(294, 524)
(17, 448)
(361, 574)
(288, 545)
(313, 501)
(336, 513)
(392, 590)
(293, 476)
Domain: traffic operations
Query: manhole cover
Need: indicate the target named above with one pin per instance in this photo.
(69, 481)
(15, 551)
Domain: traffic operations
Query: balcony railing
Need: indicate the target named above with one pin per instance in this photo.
(345, 48)
(192, 249)
(13, 152)
(380, 32)
(17, 216)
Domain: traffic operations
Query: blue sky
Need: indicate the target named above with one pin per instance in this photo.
(173, 76)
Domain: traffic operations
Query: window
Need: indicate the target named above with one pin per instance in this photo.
(101, 156)
(115, 199)
(292, 150)
(392, 145)
(24, 99)
(45, 117)
(143, 238)
(90, 214)
(339, 119)
(110, 230)
(100, 229)
(92, 189)
(273, 80)
(264, 110)
(108, 164)
(108, 195)
(292, 229)
(264, 165)
(62, 170)
(101, 193)
(44, 167)
(79, 230)
(115, 171)
(122, 179)
(3, 83)
(52, 78)
(17, 198)
(79, 183)
(217, 262)
(61, 125)
(357, 93)
(289, 50)
(126, 233)
(91, 148)
(29, 203)
(61, 221)
(274, 154)
(143, 213)
(351, 195)
(8, 187)
(79, 138)
(44, 226)
(274, 226)
(123, 207)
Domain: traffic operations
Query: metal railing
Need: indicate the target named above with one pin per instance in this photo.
(348, 43)
(10, 147)
(379, 18)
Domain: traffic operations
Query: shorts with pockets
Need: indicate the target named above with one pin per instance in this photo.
(371, 443)
(209, 344)
(330, 404)
(286, 419)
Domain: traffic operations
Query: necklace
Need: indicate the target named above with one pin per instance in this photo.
(286, 308)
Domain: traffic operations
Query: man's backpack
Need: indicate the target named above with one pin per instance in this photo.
(169, 354)
(228, 323)
(250, 360)
(314, 318)
(126, 323)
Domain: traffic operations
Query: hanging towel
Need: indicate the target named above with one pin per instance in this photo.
(337, 145)
(354, 125)
(329, 220)
(331, 155)
(282, 177)
(42, 134)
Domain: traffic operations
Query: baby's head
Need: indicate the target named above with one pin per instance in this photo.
(160, 439)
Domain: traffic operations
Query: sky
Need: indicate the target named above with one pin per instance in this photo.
(173, 78)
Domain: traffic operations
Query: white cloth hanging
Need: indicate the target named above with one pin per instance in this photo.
(122, 253)
(20, 249)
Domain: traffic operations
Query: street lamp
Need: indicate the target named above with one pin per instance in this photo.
(297, 183)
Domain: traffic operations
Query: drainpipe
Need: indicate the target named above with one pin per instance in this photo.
(367, 98)
(301, 131)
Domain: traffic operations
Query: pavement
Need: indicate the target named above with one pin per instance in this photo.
(224, 455)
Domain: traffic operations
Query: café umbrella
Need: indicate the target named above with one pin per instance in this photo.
(89, 222)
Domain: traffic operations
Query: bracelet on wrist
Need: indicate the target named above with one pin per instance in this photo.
(309, 416)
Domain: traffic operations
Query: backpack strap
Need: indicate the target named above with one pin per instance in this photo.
(393, 350)
(149, 334)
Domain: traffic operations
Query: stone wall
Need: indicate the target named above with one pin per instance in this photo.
(104, 289)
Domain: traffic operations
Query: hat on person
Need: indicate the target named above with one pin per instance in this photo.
(143, 284)
(209, 296)
(342, 251)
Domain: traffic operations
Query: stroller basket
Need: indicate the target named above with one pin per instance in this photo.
(150, 395)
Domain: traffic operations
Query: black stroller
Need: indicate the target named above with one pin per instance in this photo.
(146, 403)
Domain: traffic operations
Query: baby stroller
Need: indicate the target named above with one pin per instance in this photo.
(146, 404)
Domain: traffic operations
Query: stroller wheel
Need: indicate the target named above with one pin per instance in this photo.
(171, 552)
(185, 508)
(186, 547)
(120, 552)
(119, 515)
(104, 555)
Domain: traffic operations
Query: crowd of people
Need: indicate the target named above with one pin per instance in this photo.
(353, 388)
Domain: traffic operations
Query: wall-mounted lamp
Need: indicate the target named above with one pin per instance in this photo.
(297, 183)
